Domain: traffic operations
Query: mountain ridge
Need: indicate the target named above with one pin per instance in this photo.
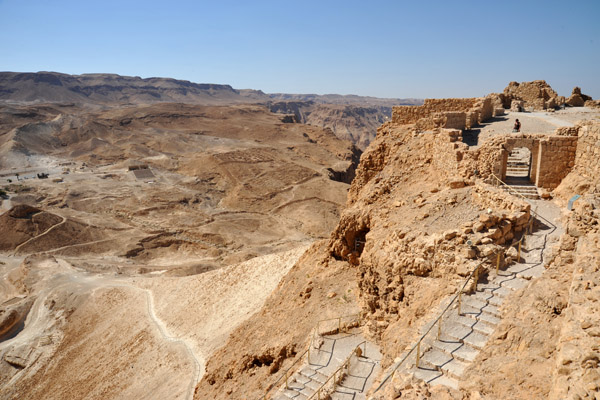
(102, 88)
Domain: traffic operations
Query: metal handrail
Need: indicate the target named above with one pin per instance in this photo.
(286, 373)
(339, 319)
(437, 321)
(345, 364)
(513, 191)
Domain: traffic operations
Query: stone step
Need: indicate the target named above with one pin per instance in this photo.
(292, 394)
(461, 351)
(460, 332)
(312, 385)
(477, 325)
(313, 375)
(479, 315)
(340, 395)
(526, 272)
(515, 283)
(489, 297)
(434, 377)
(523, 189)
(481, 304)
(437, 359)
(493, 288)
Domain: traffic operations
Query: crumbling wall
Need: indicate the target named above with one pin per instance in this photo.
(577, 99)
(446, 113)
(411, 114)
(485, 108)
(448, 152)
(556, 158)
(587, 157)
(536, 94)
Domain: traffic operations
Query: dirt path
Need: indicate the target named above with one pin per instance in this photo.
(81, 282)
(199, 365)
(550, 118)
(40, 235)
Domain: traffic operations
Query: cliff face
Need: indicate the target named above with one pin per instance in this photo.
(354, 122)
(415, 224)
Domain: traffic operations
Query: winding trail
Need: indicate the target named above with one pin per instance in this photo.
(163, 331)
(84, 283)
(40, 235)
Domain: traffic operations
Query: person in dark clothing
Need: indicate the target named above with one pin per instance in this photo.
(517, 127)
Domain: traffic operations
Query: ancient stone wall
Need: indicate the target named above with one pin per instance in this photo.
(485, 109)
(530, 142)
(587, 158)
(412, 114)
(552, 157)
(446, 113)
(448, 152)
(556, 157)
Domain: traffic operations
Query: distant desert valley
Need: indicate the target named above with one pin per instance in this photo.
(163, 239)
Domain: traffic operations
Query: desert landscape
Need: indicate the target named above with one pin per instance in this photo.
(162, 239)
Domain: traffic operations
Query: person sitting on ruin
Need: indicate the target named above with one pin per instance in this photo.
(517, 127)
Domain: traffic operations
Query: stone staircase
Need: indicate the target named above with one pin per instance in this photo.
(444, 358)
(517, 167)
(521, 186)
(325, 360)
(517, 174)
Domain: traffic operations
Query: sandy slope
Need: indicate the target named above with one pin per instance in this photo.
(93, 336)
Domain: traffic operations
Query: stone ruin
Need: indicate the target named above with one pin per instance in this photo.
(448, 113)
(466, 113)
(535, 95)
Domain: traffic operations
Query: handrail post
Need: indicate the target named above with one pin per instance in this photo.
(439, 332)
(497, 263)
(340, 325)
(531, 225)
(459, 302)
(286, 380)
(418, 354)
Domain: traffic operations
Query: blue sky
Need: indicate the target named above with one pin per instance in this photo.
(397, 48)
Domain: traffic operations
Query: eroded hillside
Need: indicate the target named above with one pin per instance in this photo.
(141, 236)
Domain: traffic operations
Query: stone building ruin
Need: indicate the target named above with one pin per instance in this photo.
(549, 158)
